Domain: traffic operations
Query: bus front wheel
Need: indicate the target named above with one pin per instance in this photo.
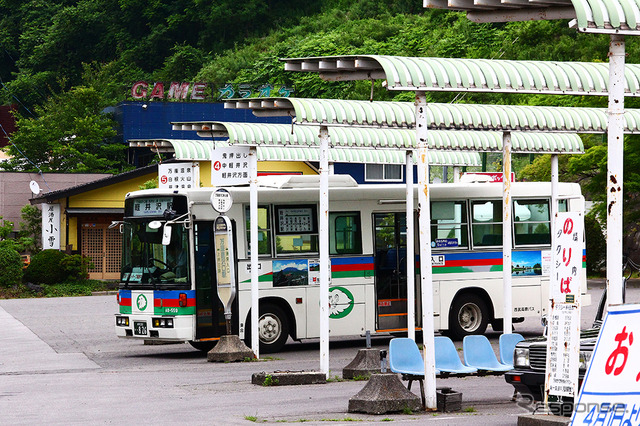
(468, 315)
(273, 329)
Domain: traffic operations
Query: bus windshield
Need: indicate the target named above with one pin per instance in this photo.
(146, 262)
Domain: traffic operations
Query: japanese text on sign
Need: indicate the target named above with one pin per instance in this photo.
(230, 166)
(563, 350)
(610, 394)
(151, 206)
(295, 220)
(562, 359)
(178, 176)
(567, 246)
(51, 226)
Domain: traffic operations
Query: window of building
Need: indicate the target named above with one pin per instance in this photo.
(383, 172)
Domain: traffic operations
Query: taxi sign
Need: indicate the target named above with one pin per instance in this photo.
(610, 393)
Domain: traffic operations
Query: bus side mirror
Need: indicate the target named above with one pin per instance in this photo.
(166, 234)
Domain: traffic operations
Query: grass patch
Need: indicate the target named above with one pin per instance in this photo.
(470, 410)
(346, 419)
(66, 289)
(269, 380)
(251, 418)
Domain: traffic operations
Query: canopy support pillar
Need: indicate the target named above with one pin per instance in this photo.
(253, 214)
(426, 275)
(325, 266)
(615, 141)
(507, 310)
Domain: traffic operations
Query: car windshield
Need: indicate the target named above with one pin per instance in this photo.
(146, 262)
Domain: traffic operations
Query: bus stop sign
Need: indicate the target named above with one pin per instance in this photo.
(225, 267)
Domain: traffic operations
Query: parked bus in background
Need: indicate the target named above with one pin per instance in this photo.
(161, 299)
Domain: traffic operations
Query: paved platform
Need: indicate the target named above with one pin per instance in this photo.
(24, 352)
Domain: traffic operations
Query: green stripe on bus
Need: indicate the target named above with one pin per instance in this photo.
(349, 274)
(125, 309)
(189, 310)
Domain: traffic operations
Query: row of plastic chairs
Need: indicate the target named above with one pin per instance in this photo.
(479, 357)
(477, 353)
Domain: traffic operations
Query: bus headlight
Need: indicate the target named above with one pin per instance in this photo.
(521, 357)
(163, 322)
(122, 321)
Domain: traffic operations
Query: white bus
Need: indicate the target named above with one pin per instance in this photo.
(168, 291)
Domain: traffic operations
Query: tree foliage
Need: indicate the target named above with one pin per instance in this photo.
(64, 61)
(71, 133)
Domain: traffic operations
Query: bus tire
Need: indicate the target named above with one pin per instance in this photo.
(204, 346)
(273, 329)
(468, 315)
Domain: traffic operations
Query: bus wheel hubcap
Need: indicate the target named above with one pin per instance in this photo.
(470, 317)
(270, 328)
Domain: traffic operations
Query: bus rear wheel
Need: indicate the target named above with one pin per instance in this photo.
(468, 315)
(273, 329)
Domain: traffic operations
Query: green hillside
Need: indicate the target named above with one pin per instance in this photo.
(62, 62)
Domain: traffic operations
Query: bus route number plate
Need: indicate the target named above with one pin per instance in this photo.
(140, 328)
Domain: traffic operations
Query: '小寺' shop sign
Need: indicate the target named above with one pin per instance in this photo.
(180, 91)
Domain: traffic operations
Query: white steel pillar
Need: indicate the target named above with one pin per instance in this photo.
(411, 256)
(325, 266)
(507, 308)
(253, 225)
(615, 141)
(426, 275)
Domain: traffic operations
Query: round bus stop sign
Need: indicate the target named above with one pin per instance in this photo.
(221, 200)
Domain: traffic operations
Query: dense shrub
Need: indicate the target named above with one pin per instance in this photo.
(46, 268)
(10, 267)
(596, 245)
(76, 267)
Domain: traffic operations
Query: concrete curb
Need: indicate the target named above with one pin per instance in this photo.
(542, 420)
(287, 378)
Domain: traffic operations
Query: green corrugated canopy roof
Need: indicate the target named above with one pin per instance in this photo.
(474, 75)
(594, 16)
(199, 149)
(439, 116)
(374, 138)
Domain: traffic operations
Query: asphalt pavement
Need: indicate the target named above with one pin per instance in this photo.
(60, 363)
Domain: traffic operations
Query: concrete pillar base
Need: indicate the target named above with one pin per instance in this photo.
(366, 363)
(230, 349)
(384, 393)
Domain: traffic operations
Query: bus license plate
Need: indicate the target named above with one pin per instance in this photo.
(140, 328)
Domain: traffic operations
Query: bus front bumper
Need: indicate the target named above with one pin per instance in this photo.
(173, 328)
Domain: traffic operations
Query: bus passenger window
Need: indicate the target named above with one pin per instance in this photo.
(486, 223)
(449, 226)
(345, 233)
(531, 222)
(296, 229)
(264, 231)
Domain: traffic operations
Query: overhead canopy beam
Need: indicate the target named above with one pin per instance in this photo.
(619, 17)
(439, 116)
(370, 138)
(199, 150)
(470, 75)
